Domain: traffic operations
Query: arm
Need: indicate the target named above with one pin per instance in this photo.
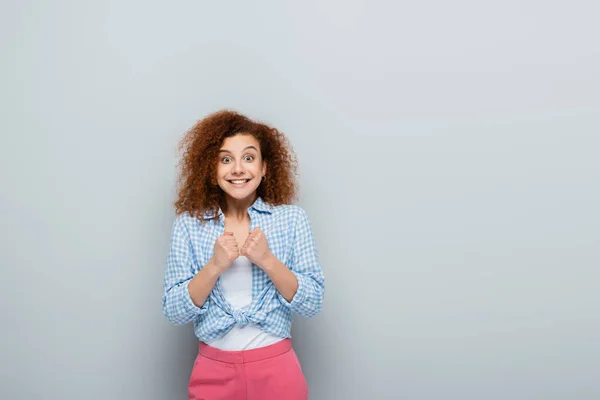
(203, 283)
(185, 295)
(303, 293)
(284, 280)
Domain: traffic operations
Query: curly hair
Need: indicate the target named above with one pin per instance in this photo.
(198, 191)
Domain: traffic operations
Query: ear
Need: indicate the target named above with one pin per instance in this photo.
(264, 168)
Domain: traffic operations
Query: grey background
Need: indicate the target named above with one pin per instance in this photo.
(449, 164)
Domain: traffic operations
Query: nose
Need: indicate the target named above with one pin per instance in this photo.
(237, 168)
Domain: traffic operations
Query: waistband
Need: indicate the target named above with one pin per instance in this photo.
(245, 356)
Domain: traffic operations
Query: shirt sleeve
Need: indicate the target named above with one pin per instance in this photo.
(177, 304)
(304, 263)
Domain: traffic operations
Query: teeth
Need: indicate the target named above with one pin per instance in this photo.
(238, 182)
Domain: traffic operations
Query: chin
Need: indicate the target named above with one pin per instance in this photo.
(240, 195)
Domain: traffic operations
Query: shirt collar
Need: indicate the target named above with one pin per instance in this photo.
(259, 205)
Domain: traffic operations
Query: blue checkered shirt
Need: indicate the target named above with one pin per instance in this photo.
(288, 231)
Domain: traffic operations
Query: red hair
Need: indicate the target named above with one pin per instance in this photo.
(198, 191)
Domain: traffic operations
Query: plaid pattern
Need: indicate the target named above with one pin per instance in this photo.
(291, 240)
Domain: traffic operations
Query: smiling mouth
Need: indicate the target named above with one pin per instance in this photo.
(239, 181)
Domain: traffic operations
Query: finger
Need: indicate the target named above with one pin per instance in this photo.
(228, 233)
(229, 243)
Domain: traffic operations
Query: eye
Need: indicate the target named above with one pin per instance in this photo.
(249, 158)
(225, 160)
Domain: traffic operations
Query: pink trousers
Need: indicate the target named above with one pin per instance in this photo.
(267, 373)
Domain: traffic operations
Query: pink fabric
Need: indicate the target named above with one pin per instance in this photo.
(267, 373)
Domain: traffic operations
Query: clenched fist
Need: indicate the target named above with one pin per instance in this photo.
(256, 247)
(226, 251)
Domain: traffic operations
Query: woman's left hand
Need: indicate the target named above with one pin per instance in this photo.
(256, 247)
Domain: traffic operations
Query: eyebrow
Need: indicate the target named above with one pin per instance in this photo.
(246, 148)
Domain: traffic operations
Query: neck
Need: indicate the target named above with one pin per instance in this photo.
(238, 209)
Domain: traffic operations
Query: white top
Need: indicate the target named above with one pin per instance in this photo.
(236, 285)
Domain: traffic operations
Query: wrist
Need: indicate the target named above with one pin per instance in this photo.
(213, 269)
(270, 262)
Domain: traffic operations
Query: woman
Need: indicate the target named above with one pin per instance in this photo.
(242, 260)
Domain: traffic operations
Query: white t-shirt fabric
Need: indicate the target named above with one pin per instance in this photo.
(236, 283)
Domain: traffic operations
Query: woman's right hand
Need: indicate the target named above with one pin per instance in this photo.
(225, 252)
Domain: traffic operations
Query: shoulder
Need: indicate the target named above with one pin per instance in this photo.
(185, 223)
(288, 209)
(294, 214)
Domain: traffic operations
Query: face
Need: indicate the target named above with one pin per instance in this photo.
(240, 167)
